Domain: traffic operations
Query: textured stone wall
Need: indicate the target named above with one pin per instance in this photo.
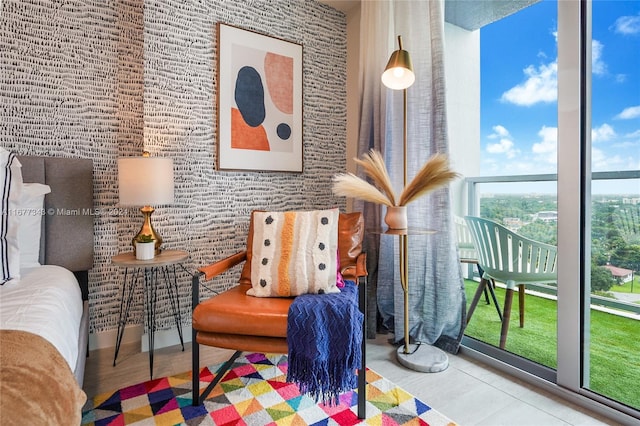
(103, 79)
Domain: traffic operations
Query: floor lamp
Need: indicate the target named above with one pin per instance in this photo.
(398, 75)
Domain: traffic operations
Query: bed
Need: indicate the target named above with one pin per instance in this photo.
(44, 311)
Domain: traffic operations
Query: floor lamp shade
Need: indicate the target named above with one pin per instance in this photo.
(146, 182)
(398, 74)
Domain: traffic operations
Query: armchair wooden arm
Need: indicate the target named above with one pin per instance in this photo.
(223, 265)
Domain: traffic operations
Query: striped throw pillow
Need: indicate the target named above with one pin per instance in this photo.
(11, 177)
(294, 253)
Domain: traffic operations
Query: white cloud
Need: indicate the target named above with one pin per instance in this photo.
(493, 167)
(499, 131)
(505, 145)
(602, 134)
(600, 161)
(547, 149)
(541, 159)
(541, 85)
(635, 134)
(598, 66)
(627, 25)
(629, 113)
(621, 78)
(549, 142)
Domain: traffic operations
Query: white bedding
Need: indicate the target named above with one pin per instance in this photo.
(46, 300)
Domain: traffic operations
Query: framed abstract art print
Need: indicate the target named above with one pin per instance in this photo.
(259, 102)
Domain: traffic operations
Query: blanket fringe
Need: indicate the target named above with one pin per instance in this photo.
(323, 360)
(325, 380)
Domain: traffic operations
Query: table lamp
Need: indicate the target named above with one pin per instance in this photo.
(145, 181)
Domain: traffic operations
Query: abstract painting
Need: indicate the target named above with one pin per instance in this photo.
(259, 102)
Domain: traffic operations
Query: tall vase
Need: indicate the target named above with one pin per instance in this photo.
(396, 217)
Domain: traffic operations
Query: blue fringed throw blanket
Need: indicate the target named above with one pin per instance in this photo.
(324, 334)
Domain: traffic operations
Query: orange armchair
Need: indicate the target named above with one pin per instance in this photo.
(233, 320)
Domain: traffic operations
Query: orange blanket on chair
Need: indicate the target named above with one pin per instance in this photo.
(37, 387)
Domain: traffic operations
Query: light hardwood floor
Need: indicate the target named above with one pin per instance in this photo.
(467, 392)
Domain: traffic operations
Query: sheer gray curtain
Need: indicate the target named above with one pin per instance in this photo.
(436, 292)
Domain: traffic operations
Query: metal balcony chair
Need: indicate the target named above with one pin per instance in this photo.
(468, 255)
(511, 259)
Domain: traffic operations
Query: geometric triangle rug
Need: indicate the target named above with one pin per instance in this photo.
(254, 393)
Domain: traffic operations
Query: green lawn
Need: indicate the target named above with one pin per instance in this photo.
(626, 288)
(615, 342)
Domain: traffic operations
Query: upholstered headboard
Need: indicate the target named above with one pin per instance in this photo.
(67, 237)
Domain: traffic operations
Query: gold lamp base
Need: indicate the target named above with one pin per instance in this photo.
(147, 229)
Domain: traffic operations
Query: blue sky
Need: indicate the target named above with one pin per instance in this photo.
(519, 90)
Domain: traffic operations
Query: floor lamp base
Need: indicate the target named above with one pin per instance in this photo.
(424, 358)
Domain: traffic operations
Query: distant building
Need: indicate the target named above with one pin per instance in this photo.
(632, 201)
(513, 223)
(547, 216)
(620, 274)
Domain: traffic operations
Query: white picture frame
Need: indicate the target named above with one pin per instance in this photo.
(259, 102)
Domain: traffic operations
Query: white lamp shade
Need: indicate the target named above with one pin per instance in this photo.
(398, 78)
(398, 74)
(145, 181)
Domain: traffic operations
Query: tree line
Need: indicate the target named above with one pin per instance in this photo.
(615, 229)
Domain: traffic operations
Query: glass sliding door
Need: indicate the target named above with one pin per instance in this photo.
(570, 177)
(612, 328)
(518, 117)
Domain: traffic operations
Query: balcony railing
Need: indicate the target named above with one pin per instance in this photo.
(472, 182)
(474, 209)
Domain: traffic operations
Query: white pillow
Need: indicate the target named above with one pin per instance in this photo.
(294, 253)
(11, 178)
(30, 212)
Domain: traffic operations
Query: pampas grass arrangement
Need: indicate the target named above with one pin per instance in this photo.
(433, 174)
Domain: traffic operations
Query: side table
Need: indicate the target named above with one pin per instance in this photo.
(164, 265)
(415, 356)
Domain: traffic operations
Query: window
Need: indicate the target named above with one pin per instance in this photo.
(557, 159)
